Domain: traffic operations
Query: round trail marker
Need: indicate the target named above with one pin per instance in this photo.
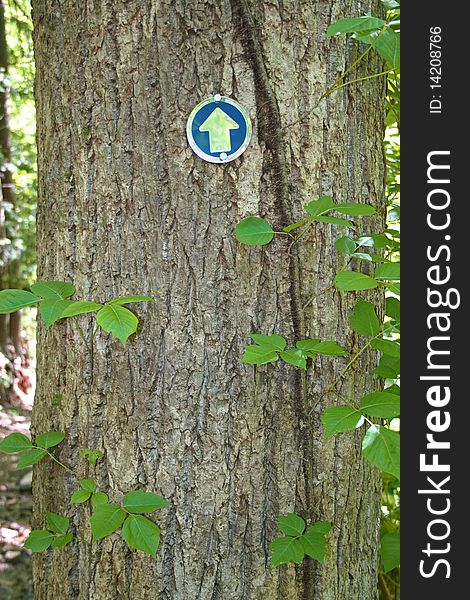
(219, 129)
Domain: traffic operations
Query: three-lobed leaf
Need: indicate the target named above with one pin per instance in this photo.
(15, 442)
(118, 321)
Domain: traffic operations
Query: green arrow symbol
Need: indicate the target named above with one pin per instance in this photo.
(219, 124)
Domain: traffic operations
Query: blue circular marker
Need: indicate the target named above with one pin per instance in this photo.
(219, 129)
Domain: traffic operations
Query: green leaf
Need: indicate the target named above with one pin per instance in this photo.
(140, 533)
(362, 256)
(314, 544)
(320, 206)
(52, 310)
(39, 540)
(118, 321)
(15, 442)
(99, 498)
(326, 348)
(285, 550)
(57, 523)
(295, 357)
(349, 281)
(365, 23)
(392, 308)
(364, 319)
(388, 368)
(376, 240)
(307, 345)
(13, 300)
(393, 287)
(275, 342)
(54, 290)
(254, 231)
(49, 439)
(31, 458)
(291, 524)
(130, 299)
(293, 226)
(345, 244)
(259, 355)
(381, 447)
(388, 46)
(79, 497)
(340, 418)
(62, 540)
(91, 455)
(390, 271)
(106, 518)
(334, 221)
(88, 484)
(355, 209)
(387, 347)
(143, 502)
(380, 404)
(390, 551)
(81, 307)
(321, 527)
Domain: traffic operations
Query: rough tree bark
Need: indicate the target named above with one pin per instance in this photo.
(126, 207)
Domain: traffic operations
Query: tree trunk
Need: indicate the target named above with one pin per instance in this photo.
(8, 267)
(126, 207)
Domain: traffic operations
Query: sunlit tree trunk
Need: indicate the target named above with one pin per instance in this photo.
(126, 207)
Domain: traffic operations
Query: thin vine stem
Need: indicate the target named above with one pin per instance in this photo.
(56, 460)
(343, 85)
